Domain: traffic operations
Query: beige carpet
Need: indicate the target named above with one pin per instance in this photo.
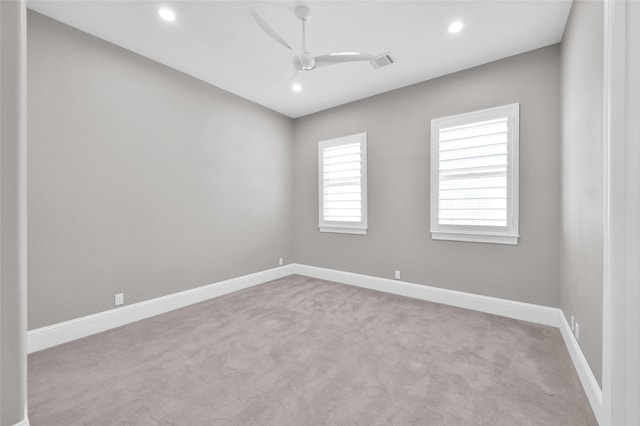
(301, 351)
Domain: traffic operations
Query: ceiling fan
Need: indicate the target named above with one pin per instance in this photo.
(304, 61)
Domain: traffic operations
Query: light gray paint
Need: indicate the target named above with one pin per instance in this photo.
(398, 127)
(12, 212)
(582, 149)
(143, 180)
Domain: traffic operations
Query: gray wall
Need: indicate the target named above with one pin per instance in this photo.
(582, 149)
(398, 127)
(13, 356)
(143, 180)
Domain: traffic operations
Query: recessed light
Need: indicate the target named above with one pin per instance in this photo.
(455, 27)
(167, 15)
(296, 87)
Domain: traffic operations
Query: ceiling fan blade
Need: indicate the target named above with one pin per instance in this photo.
(270, 31)
(341, 57)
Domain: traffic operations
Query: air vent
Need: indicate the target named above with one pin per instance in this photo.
(382, 60)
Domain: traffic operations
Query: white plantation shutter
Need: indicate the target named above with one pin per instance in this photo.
(342, 184)
(474, 176)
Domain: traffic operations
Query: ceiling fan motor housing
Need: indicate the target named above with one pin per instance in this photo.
(303, 12)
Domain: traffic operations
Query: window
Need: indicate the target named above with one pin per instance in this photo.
(342, 177)
(474, 176)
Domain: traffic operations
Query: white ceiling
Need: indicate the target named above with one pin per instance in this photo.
(220, 43)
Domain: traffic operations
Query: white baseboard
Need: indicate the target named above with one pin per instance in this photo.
(588, 380)
(507, 308)
(67, 331)
(56, 334)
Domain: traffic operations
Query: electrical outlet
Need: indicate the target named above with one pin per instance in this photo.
(573, 324)
(280, 261)
(577, 331)
(397, 275)
(119, 299)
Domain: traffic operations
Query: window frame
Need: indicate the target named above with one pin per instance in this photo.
(477, 233)
(343, 227)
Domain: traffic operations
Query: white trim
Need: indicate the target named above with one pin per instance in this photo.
(632, 137)
(341, 230)
(25, 420)
(621, 298)
(56, 334)
(468, 232)
(475, 238)
(588, 380)
(22, 211)
(538, 314)
(607, 344)
(344, 227)
(507, 308)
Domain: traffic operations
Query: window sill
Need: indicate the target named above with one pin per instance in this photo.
(339, 230)
(476, 238)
